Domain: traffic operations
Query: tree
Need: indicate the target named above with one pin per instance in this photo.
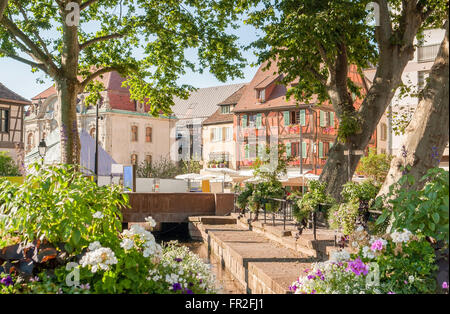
(427, 134)
(8, 168)
(375, 166)
(315, 42)
(47, 36)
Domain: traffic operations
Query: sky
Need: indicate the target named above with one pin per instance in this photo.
(18, 77)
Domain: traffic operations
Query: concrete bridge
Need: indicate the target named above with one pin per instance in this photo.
(176, 207)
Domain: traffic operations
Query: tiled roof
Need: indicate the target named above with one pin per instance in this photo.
(8, 95)
(218, 117)
(202, 103)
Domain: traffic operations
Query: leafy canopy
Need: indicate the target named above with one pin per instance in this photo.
(144, 40)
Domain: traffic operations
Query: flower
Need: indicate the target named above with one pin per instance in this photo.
(176, 286)
(151, 221)
(7, 281)
(177, 259)
(391, 292)
(367, 253)
(358, 267)
(411, 279)
(378, 245)
(340, 256)
(99, 258)
(85, 286)
(98, 215)
(445, 285)
(401, 237)
(127, 244)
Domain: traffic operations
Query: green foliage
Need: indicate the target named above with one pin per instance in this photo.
(145, 41)
(422, 212)
(310, 201)
(355, 196)
(58, 204)
(364, 191)
(244, 195)
(7, 166)
(349, 124)
(375, 166)
(164, 168)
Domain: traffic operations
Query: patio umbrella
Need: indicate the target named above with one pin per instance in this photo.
(223, 171)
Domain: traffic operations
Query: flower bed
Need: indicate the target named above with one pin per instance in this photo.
(96, 255)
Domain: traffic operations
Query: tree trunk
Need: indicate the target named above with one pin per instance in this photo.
(3, 4)
(68, 87)
(392, 60)
(427, 134)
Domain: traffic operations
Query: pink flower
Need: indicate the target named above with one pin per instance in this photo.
(445, 285)
(377, 246)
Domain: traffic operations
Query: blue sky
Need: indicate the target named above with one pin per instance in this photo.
(19, 78)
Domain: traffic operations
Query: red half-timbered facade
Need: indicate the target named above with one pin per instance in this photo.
(263, 116)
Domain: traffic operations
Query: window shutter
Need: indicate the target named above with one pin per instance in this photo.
(331, 145)
(211, 138)
(288, 149)
(258, 120)
(303, 117)
(261, 150)
(286, 117)
(246, 148)
(304, 150)
(320, 149)
(223, 134)
(332, 119)
(244, 120)
(322, 118)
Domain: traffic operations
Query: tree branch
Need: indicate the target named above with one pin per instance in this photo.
(36, 52)
(3, 5)
(87, 3)
(99, 39)
(23, 60)
(94, 75)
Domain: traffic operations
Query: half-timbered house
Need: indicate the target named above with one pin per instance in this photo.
(12, 108)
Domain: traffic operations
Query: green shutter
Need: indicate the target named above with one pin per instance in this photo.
(331, 144)
(322, 118)
(286, 118)
(320, 149)
(244, 120)
(246, 148)
(332, 119)
(288, 149)
(304, 150)
(261, 150)
(258, 120)
(303, 117)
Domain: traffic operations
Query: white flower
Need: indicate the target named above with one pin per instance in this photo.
(367, 253)
(401, 237)
(98, 258)
(411, 279)
(151, 221)
(94, 245)
(360, 229)
(127, 244)
(340, 256)
(98, 215)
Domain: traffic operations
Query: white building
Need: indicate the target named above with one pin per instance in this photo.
(402, 108)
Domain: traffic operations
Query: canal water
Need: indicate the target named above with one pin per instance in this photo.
(226, 284)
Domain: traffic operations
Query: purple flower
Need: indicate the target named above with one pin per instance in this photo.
(292, 288)
(34, 279)
(188, 291)
(445, 285)
(404, 151)
(176, 286)
(320, 275)
(177, 259)
(7, 281)
(391, 292)
(85, 287)
(313, 292)
(377, 245)
(310, 277)
(358, 267)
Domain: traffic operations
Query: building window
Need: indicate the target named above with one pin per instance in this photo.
(4, 120)
(134, 159)
(261, 95)
(30, 142)
(148, 159)
(427, 53)
(225, 109)
(229, 134)
(422, 79)
(216, 134)
(134, 133)
(383, 131)
(148, 134)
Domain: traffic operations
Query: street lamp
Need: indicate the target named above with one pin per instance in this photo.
(42, 149)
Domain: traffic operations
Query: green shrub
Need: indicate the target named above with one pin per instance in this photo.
(7, 166)
(310, 201)
(423, 212)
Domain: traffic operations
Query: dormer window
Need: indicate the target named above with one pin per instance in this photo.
(225, 109)
(261, 95)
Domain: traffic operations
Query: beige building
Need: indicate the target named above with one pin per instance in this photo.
(12, 108)
(219, 141)
(127, 133)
